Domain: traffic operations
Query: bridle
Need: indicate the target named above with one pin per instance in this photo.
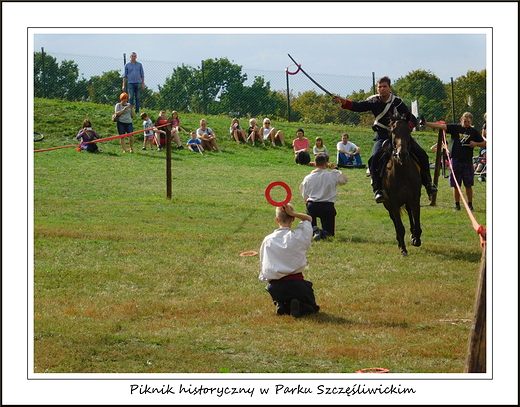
(401, 141)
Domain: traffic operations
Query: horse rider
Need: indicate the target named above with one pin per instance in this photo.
(383, 106)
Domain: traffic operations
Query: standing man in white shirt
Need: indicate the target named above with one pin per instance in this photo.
(319, 191)
(283, 256)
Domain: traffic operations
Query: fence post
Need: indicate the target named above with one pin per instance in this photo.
(374, 83)
(43, 74)
(288, 98)
(203, 89)
(476, 355)
(452, 100)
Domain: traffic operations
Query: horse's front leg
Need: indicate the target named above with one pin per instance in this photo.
(414, 214)
(395, 215)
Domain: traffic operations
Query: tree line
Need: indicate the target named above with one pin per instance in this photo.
(218, 87)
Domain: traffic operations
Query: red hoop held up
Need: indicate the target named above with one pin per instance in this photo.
(268, 193)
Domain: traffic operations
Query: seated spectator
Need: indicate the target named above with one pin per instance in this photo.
(348, 153)
(206, 135)
(302, 148)
(271, 134)
(174, 127)
(194, 144)
(87, 134)
(319, 148)
(161, 121)
(236, 131)
(480, 162)
(254, 132)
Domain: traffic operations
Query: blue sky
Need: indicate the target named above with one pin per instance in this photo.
(348, 54)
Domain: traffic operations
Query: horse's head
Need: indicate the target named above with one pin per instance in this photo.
(401, 136)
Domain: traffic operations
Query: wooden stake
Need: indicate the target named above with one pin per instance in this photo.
(437, 166)
(168, 164)
(476, 355)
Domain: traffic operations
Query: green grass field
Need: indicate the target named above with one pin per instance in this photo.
(128, 281)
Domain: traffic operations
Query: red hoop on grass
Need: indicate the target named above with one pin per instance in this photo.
(248, 254)
(268, 193)
(373, 370)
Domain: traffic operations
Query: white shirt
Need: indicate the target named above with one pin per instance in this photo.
(350, 147)
(284, 251)
(320, 185)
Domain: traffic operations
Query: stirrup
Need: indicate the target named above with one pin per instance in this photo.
(378, 196)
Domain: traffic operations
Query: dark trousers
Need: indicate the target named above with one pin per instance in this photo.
(92, 147)
(375, 163)
(326, 212)
(283, 291)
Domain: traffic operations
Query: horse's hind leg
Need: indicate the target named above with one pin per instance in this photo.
(414, 214)
(395, 215)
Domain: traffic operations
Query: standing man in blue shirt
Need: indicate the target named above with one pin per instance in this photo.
(134, 78)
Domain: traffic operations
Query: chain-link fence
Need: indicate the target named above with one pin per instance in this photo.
(221, 87)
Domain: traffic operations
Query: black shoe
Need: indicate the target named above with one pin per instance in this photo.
(471, 207)
(457, 207)
(431, 189)
(316, 233)
(295, 308)
(279, 309)
(378, 196)
(180, 148)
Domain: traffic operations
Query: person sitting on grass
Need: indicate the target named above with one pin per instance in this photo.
(236, 131)
(348, 153)
(302, 148)
(161, 122)
(319, 148)
(208, 138)
(254, 132)
(283, 256)
(87, 134)
(194, 144)
(174, 127)
(271, 134)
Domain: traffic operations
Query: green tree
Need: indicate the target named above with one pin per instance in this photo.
(427, 89)
(179, 89)
(216, 87)
(150, 99)
(53, 80)
(251, 101)
(470, 96)
(310, 107)
(353, 118)
(217, 76)
(105, 89)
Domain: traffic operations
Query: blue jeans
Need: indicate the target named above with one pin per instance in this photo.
(134, 91)
(344, 159)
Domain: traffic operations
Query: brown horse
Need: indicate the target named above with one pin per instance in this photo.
(402, 183)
